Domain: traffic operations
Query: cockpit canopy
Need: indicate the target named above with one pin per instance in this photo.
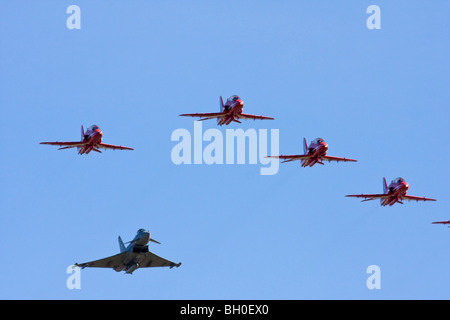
(398, 180)
(93, 127)
(317, 141)
(233, 98)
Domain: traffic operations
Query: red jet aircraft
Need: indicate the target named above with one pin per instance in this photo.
(230, 111)
(90, 140)
(442, 222)
(395, 192)
(314, 153)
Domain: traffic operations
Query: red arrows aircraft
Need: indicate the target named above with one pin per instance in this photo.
(314, 153)
(442, 222)
(395, 192)
(90, 140)
(230, 111)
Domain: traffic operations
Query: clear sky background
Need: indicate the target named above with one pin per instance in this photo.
(379, 96)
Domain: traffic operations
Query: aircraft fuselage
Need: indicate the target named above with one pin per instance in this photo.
(396, 192)
(316, 151)
(232, 108)
(93, 138)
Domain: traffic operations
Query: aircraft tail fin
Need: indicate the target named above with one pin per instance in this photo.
(221, 107)
(82, 136)
(385, 190)
(221, 104)
(121, 245)
(305, 146)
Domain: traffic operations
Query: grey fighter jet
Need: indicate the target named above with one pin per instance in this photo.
(132, 257)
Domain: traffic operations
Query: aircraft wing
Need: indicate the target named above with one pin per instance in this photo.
(148, 260)
(337, 159)
(369, 197)
(66, 145)
(205, 116)
(413, 198)
(109, 262)
(442, 222)
(152, 260)
(113, 147)
(251, 116)
(288, 158)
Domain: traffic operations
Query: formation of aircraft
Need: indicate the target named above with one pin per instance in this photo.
(135, 255)
(91, 140)
(316, 152)
(229, 112)
(394, 193)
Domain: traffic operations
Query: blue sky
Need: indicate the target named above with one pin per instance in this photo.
(379, 96)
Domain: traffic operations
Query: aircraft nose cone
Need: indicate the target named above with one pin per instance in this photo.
(99, 135)
(143, 237)
(239, 106)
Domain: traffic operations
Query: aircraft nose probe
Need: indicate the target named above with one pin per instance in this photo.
(152, 240)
